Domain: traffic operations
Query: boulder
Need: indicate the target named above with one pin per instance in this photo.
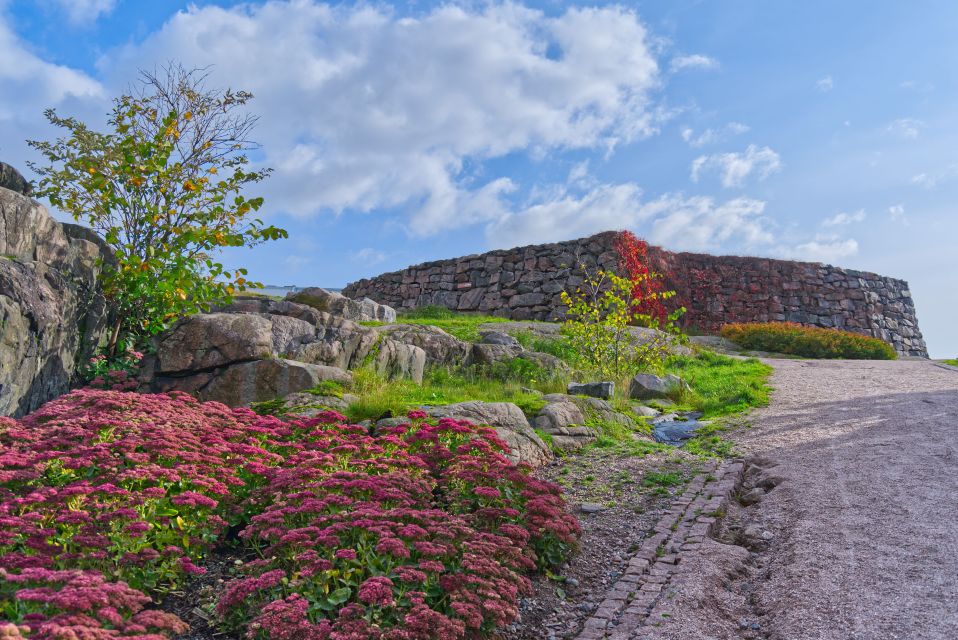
(604, 390)
(306, 404)
(487, 354)
(645, 412)
(549, 362)
(441, 348)
(11, 179)
(508, 421)
(259, 380)
(500, 338)
(339, 305)
(289, 333)
(645, 386)
(397, 360)
(564, 422)
(261, 304)
(210, 340)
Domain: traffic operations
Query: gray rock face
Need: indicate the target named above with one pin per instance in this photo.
(604, 390)
(508, 421)
(486, 354)
(11, 179)
(52, 314)
(206, 341)
(259, 380)
(645, 386)
(337, 304)
(307, 404)
(441, 348)
(497, 337)
(564, 421)
(255, 347)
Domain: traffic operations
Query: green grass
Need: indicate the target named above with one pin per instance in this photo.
(558, 346)
(439, 387)
(721, 385)
(709, 443)
(953, 363)
(464, 326)
(662, 479)
(328, 388)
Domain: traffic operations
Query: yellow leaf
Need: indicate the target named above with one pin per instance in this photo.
(188, 116)
(189, 186)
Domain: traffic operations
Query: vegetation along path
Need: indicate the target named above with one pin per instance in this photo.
(855, 537)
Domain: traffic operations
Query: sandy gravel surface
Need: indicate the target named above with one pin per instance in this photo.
(861, 459)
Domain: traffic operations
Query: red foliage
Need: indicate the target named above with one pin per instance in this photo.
(634, 264)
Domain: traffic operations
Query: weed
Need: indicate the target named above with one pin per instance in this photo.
(662, 479)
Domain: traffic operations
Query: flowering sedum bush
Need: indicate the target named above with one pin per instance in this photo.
(809, 342)
(421, 531)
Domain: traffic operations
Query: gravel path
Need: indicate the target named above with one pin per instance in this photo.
(863, 516)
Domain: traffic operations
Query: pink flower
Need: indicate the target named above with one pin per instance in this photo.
(376, 591)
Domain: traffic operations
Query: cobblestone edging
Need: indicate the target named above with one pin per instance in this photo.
(639, 599)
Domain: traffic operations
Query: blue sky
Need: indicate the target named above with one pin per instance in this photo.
(405, 132)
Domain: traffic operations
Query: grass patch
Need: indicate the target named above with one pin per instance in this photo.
(464, 326)
(662, 479)
(709, 443)
(558, 346)
(332, 388)
(721, 385)
(953, 362)
(439, 387)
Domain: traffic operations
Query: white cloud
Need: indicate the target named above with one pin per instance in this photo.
(907, 128)
(369, 256)
(711, 136)
(295, 263)
(933, 179)
(28, 85)
(822, 249)
(695, 61)
(84, 12)
(736, 167)
(897, 213)
(673, 220)
(825, 84)
(843, 218)
(368, 110)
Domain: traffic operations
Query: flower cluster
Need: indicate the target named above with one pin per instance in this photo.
(808, 342)
(116, 374)
(50, 604)
(422, 531)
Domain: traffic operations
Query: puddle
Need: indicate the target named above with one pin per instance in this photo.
(675, 429)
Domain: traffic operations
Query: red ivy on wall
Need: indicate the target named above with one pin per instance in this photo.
(633, 254)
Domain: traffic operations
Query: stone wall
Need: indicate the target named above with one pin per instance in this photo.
(525, 283)
(51, 314)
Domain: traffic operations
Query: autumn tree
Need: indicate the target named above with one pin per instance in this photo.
(164, 187)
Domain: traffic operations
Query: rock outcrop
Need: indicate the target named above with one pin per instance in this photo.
(361, 310)
(51, 313)
(510, 424)
(258, 349)
(11, 179)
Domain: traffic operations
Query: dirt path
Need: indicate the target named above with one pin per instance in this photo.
(863, 516)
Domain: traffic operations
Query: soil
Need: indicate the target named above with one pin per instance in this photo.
(847, 527)
(626, 511)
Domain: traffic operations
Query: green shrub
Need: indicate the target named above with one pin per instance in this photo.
(809, 342)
